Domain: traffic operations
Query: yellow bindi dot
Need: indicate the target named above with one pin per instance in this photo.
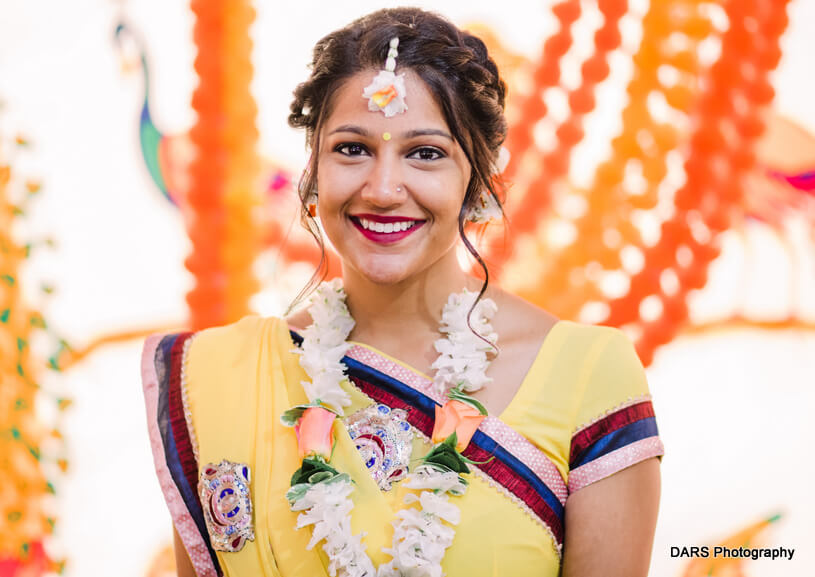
(386, 136)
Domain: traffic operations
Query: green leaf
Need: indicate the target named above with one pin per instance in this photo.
(297, 492)
(310, 466)
(457, 394)
(320, 476)
(471, 462)
(290, 417)
(446, 455)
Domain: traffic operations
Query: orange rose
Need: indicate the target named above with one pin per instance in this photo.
(313, 430)
(458, 417)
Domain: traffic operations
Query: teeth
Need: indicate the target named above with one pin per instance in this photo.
(386, 227)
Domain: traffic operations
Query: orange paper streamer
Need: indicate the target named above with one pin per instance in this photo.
(224, 189)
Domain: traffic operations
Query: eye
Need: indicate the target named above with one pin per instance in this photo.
(427, 153)
(350, 149)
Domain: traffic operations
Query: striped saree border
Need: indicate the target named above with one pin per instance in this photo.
(615, 461)
(621, 438)
(584, 438)
(159, 369)
(515, 443)
(512, 474)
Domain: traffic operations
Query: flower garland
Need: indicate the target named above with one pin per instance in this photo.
(421, 536)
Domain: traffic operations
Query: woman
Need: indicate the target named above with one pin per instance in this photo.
(387, 471)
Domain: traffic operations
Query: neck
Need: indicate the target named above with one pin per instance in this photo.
(408, 308)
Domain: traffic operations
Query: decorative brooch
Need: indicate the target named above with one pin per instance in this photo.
(384, 440)
(224, 493)
(387, 90)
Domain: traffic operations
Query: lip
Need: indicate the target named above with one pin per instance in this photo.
(384, 219)
(385, 237)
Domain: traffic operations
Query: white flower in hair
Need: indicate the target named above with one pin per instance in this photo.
(502, 161)
(485, 209)
(387, 90)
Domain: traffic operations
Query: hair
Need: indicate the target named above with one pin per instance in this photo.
(455, 66)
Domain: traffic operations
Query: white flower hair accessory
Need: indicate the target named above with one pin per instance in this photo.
(387, 90)
(486, 208)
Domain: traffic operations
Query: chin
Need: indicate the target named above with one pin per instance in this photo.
(384, 270)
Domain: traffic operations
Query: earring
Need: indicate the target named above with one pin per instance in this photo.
(485, 209)
(311, 198)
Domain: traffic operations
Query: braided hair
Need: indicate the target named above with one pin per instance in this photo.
(453, 63)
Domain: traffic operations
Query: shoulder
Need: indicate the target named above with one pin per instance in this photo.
(615, 425)
(519, 320)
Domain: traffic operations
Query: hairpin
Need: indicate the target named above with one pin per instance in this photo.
(387, 90)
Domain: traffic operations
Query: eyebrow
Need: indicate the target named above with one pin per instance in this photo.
(406, 135)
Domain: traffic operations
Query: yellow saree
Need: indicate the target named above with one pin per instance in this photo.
(582, 413)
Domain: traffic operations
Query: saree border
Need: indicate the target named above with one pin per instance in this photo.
(518, 445)
(532, 483)
(162, 359)
(622, 437)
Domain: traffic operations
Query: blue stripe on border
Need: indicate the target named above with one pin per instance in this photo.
(631, 433)
(395, 386)
(490, 445)
(163, 362)
(481, 440)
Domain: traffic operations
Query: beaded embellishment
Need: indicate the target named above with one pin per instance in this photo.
(384, 439)
(224, 493)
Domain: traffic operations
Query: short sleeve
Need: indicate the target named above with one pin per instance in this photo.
(172, 441)
(615, 422)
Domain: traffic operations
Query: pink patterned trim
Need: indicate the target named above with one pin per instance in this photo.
(527, 453)
(395, 370)
(183, 521)
(615, 461)
(506, 436)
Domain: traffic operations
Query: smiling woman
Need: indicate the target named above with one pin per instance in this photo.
(369, 187)
(385, 430)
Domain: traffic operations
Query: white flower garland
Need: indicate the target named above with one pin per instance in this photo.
(421, 536)
(325, 343)
(463, 355)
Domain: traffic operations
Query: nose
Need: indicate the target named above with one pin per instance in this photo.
(384, 187)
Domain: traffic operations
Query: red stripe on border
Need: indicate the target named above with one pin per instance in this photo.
(506, 477)
(499, 471)
(617, 420)
(178, 422)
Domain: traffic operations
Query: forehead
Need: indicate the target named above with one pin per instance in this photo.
(350, 107)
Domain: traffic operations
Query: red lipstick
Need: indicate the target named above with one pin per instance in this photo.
(384, 237)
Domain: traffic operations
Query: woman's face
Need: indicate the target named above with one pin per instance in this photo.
(389, 189)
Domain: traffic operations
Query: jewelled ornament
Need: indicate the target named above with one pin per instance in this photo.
(224, 493)
(383, 438)
(386, 92)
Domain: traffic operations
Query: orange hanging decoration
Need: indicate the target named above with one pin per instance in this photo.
(526, 213)
(641, 149)
(714, 169)
(224, 187)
